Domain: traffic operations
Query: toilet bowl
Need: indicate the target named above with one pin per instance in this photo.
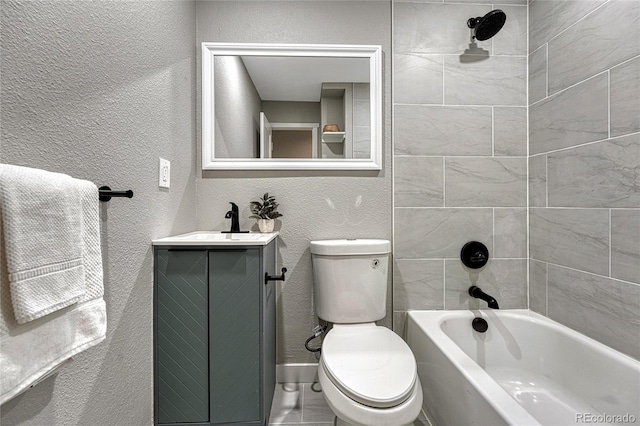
(367, 372)
(368, 376)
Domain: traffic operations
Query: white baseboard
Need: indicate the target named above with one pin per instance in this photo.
(297, 373)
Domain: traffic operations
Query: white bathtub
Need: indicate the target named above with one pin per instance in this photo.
(525, 370)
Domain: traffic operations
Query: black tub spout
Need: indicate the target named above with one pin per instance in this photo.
(479, 294)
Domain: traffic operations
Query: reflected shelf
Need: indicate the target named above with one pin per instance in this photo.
(333, 137)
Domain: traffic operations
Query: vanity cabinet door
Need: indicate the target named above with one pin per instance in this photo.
(234, 321)
(182, 337)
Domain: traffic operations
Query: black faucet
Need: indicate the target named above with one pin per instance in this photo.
(233, 215)
(479, 294)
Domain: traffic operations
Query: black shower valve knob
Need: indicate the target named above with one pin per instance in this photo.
(474, 255)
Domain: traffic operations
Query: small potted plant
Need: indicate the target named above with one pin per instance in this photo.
(265, 210)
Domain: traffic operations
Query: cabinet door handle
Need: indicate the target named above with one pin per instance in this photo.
(268, 277)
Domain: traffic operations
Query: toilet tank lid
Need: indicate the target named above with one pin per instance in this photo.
(348, 247)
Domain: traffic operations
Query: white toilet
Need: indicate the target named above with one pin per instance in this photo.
(368, 373)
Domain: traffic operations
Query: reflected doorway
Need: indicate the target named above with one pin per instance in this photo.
(294, 140)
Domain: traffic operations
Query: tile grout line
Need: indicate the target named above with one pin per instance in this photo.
(392, 62)
(584, 144)
(493, 131)
(546, 289)
(610, 244)
(633, 58)
(609, 102)
(546, 74)
(579, 20)
(550, 96)
(460, 105)
(547, 95)
(437, 259)
(528, 277)
(582, 271)
(444, 284)
(444, 182)
(546, 180)
(518, 207)
(443, 68)
(302, 404)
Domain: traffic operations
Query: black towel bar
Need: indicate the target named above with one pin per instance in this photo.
(106, 193)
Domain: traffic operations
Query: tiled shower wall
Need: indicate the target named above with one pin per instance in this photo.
(460, 155)
(584, 167)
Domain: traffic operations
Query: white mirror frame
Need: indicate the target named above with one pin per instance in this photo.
(210, 50)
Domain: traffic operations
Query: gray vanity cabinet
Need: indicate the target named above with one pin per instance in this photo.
(214, 335)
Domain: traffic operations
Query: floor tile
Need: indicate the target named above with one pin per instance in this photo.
(287, 404)
(314, 406)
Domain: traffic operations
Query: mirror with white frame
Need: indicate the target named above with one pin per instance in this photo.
(291, 107)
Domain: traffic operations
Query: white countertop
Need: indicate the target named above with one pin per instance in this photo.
(217, 238)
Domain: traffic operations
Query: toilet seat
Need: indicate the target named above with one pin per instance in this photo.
(370, 364)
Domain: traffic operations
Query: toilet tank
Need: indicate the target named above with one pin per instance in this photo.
(350, 279)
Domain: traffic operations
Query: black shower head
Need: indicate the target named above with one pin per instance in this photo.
(486, 27)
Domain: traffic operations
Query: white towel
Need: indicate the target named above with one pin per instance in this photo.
(42, 216)
(30, 352)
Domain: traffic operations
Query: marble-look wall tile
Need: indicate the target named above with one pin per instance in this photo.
(399, 323)
(418, 284)
(442, 130)
(581, 90)
(485, 182)
(538, 181)
(510, 233)
(538, 74)
(577, 238)
(625, 98)
(512, 38)
(361, 141)
(361, 91)
(602, 308)
(418, 182)
(504, 279)
(510, 131)
(498, 80)
(548, 18)
(538, 286)
(625, 245)
(417, 78)
(602, 174)
(434, 27)
(361, 112)
(600, 41)
(577, 115)
(437, 233)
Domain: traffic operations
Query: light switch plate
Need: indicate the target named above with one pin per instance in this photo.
(164, 174)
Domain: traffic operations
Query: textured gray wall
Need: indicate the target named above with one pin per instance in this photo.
(460, 156)
(237, 110)
(100, 90)
(584, 180)
(315, 205)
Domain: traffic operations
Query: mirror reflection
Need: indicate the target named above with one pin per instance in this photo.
(291, 107)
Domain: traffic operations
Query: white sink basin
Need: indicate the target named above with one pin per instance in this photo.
(205, 238)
